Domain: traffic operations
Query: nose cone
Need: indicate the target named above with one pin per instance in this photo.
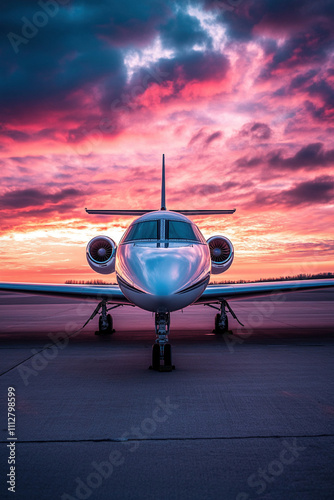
(161, 274)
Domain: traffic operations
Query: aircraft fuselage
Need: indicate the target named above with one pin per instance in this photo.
(163, 262)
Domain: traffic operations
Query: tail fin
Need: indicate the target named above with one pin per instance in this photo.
(163, 185)
(163, 204)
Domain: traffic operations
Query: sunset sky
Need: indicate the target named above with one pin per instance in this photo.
(238, 94)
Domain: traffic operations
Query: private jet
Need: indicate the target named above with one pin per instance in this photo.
(163, 264)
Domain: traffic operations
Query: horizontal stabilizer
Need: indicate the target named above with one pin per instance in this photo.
(118, 212)
(205, 212)
(142, 212)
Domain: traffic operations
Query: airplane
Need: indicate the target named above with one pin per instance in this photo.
(163, 264)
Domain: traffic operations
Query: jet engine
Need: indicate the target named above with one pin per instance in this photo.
(101, 254)
(222, 254)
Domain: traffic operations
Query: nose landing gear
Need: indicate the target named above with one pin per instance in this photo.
(162, 350)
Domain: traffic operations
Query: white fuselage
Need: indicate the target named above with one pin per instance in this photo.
(163, 262)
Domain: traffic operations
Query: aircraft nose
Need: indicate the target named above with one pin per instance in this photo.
(164, 276)
(162, 272)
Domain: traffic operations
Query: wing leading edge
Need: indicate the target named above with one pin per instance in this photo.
(215, 293)
(112, 293)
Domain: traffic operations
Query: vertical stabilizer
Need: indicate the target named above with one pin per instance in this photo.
(163, 186)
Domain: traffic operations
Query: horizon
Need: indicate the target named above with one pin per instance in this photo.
(239, 96)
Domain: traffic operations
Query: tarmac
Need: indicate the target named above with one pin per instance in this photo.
(245, 416)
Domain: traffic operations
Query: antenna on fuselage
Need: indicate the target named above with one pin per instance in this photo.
(163, 186)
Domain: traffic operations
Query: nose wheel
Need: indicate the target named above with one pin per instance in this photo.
(162, 350)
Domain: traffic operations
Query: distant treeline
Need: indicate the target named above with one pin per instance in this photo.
(320, 276)
(89, 282)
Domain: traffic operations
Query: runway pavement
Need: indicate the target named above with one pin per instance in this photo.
(245, 416)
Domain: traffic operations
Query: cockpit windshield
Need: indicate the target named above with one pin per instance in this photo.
(148, 230)
(179, 230)
(163, 231)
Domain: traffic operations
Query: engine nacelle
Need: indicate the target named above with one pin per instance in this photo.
(222, 254)
(101, 254)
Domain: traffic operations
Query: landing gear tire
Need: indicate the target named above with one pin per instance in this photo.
(155, 357)
(159, 364)
(168, 355)
(105, 331)
(110, 323)
(218, 329)
(161, 350)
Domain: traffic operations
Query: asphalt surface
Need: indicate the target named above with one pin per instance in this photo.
(247, 416)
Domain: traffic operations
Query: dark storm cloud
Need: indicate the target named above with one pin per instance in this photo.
(255, 130)
(306, 27)
(319, 190)
(189, 66)
(203, 138)
(75, 62)
(15, 135)
(25, 198)
(300, 80)
(205, 190)
(78, 47)
(313, 192)
(309, 47)
(325, 91)
(245, 162)
(241, 16)
(210, 189)
(28, 159)
(183, 32)
(198, 135)
(308, 157)
(312, 155)
(213, 137)
(19, 136)
(129, 22)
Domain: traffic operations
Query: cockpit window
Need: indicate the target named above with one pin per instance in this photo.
(148, 230)
(178, 230)
(163, 231)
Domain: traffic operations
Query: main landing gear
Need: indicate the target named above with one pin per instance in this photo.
(162, 350)
(105, 320)
(221, 319)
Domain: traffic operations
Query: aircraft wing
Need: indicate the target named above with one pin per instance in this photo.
(112, 293)
(215, 293)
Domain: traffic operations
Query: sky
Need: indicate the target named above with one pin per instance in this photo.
(238, 94)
